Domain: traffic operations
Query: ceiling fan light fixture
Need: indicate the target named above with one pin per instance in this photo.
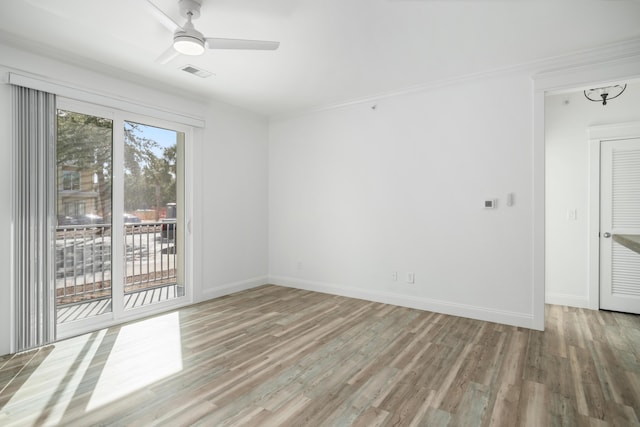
(188, 45)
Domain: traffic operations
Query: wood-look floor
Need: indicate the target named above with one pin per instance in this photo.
(275, 356)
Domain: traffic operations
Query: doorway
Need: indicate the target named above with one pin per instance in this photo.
(572, 211)
(120, 216)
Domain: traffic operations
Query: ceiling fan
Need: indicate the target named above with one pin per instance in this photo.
(189, 41)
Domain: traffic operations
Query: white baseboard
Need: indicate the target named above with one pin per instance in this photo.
(230, 288)
(568, 300)
(473, 312)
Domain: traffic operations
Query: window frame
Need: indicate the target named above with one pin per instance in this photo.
(118, 314)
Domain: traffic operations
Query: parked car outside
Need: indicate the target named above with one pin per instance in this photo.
(131, 219)
(67, 220)
(90, 219)
(94, 219)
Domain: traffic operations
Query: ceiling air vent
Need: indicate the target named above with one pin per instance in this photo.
(196, 71)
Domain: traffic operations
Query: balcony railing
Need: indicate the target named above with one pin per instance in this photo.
(83, 260)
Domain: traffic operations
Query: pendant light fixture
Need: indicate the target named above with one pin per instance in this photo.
(604, 94)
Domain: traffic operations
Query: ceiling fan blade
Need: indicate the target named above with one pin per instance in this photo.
(163, 17)
(216, 43)
(168, 55)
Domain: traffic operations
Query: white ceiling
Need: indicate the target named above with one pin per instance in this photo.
(331, 51)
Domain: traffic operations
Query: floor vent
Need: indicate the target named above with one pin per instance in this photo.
(196, 71)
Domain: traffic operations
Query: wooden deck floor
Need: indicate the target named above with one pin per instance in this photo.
(275, 356)
(83, 310)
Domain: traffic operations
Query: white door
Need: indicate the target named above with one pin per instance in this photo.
(620, 225)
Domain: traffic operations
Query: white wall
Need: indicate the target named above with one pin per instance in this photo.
(356, 193)
(233, 201)
(229, 180)
(567, 118)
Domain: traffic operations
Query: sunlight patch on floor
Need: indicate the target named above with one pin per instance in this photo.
(47, 393)
(143, 353)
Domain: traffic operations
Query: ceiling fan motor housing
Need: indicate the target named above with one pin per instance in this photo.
(189, 7)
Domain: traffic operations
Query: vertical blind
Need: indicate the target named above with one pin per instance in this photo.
(34, 133)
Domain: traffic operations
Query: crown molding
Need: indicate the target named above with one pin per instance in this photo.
(623, 52)
(608, 63)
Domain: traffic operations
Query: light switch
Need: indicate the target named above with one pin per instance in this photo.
(509, 199)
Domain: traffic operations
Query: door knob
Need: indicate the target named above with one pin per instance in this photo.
(607, 235)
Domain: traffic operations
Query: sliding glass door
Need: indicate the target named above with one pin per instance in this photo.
(120, 210)
(84, 170)
(152, 183)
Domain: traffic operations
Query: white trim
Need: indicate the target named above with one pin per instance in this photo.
(568, 300)
(231, 288)
(118, 269)
(438, 306)
(581, 62)
(188, 264)
(71, 91)
(538, 203)
(593, 226)
(583, 76)
(597, 135)
(630, 130)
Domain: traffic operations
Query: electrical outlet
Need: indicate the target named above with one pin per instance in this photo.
(572, 215)
(411, 278)
(394, 276)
